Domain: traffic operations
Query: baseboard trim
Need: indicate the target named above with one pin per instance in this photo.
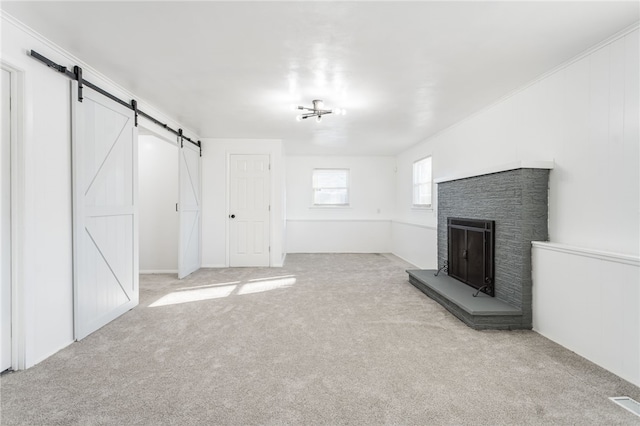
(406, 260)
(157, 271)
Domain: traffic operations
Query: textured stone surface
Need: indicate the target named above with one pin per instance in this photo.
(517, 201)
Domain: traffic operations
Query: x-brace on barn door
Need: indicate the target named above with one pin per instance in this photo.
(105, 210)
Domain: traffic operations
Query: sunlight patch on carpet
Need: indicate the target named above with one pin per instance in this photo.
(271, 278)
(261, 286)
(220, 290)
(197, 295)
(209, 285)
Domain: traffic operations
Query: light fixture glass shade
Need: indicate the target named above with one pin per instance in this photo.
(298, 117)
(318, 118)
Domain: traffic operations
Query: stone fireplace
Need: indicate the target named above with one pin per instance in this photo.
(514, 201)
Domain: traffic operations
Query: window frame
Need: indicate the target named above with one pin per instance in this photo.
(347, 188)
(414, 184)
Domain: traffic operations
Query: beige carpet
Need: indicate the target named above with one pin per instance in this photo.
(328, 339)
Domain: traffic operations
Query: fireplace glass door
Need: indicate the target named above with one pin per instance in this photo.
(471, 244)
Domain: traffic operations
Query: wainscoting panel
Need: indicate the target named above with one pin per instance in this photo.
(338, 236)
(417, 244)
(589, 302)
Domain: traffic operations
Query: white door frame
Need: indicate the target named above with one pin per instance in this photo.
(229, 153)
(163, 136)
(18, 348)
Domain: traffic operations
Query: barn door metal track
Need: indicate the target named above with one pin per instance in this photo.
(76, 74)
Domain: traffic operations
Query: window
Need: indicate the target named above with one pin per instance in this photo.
(422, 183)
(331, 187)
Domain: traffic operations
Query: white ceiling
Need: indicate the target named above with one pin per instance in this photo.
(403, 70)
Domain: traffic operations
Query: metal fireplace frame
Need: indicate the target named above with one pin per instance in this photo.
(487, 228)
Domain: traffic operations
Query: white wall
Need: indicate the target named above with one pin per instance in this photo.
(414, 231)
(338, 236)
(44, 172)
(584, 116)
(158, 195)
(215, 221)
(589, 302)
(363, 227)
(417, 244)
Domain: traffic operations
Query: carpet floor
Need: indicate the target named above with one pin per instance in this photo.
(329, 339)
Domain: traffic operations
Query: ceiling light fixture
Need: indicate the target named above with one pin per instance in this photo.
(318, 111)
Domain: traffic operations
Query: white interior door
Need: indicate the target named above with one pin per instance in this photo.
(249, 198)
(105, 255)
(189, 208)
(5, 225)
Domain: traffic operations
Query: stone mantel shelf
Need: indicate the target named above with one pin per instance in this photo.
(522, 164)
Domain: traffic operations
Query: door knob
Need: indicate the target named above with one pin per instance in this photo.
(232, 216)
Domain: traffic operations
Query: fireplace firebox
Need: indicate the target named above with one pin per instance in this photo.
(471, 248)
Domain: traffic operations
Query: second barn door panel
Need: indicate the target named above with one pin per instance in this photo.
(189, 258)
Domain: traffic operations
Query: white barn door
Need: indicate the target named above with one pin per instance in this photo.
(105, 211)
(189, 208)
(249, 206)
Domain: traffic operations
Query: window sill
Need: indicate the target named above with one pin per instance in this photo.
(422, 208)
